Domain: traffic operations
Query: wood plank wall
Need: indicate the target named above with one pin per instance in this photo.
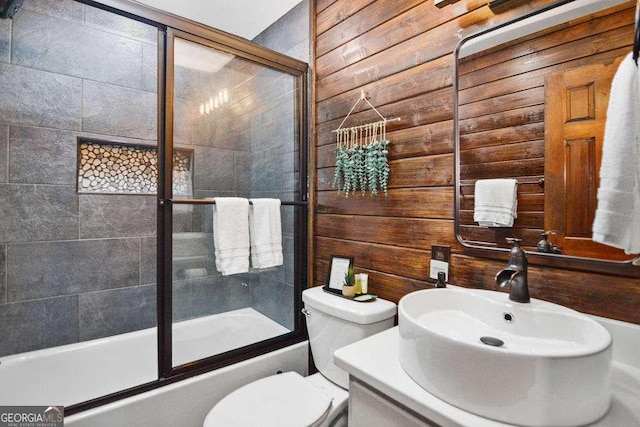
(400, 54)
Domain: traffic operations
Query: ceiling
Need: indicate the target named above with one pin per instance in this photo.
(244, 18)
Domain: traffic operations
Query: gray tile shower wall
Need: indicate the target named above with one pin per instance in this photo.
(100, 56)
(289, 34)
(77, 267)
(116, 110)
(68, 10)
(30, 212)
(207, 295)
(39, 324)
(3, 274)
(5, 40)
(116, 24)
(114, 312)
(71, 267)
(149, 67)
(102, 216)
(273, 158)
(55, 161)
(274, 299)
(213, 168)
(68, 259)
(40, 98)
(4, 148)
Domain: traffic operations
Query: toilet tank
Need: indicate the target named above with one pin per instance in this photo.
(334, 322)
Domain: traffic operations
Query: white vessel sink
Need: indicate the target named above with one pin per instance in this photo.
(549, 367)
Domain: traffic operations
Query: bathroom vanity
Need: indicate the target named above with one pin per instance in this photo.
(382, 393)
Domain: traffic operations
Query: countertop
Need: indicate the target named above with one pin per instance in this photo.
(374, 361)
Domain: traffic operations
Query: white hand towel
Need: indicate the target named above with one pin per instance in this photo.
(266, 233)
(617, 219)
(231, 235)
(496, 202)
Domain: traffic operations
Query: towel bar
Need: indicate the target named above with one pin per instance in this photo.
(162, 202)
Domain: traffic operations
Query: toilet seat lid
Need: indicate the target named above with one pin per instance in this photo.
(276, 401)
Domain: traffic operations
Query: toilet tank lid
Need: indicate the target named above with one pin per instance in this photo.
(363, 313)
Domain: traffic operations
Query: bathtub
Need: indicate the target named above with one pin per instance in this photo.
(75, 373)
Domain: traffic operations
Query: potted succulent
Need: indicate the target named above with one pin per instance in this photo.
(349, 285)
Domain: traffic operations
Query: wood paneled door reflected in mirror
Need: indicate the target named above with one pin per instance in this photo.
(576, 103)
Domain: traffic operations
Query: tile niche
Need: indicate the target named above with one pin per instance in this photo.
(116, 168)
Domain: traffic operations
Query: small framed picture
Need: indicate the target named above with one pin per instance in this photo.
(337, 269)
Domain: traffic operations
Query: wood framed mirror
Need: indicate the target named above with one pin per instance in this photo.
(530, 102)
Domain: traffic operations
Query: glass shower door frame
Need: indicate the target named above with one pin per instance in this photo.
(246, 50)
(169, 26)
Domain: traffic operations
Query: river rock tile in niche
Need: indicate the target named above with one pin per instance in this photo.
(116, 168)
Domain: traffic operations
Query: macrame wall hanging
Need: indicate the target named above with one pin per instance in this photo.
(361, 155)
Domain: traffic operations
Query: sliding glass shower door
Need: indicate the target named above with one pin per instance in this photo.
(233, 131)
(118, 129)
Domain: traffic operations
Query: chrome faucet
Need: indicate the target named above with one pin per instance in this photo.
(515, 274)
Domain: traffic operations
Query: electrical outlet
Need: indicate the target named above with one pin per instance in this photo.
(438, 266)
(440, 257)
(441, 253)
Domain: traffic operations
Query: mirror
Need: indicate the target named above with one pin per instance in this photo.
(530, 103)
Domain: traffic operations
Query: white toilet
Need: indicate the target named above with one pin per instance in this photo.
(318, 400)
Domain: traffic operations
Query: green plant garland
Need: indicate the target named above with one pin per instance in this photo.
(341, 161)
(371, 167)
(362, 168)
(382, 166)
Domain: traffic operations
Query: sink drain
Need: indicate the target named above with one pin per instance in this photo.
(496, 342)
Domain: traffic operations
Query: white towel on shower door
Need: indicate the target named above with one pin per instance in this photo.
(265, 227)
(231, 234)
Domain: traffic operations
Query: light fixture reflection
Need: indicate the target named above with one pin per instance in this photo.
(215, 102)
